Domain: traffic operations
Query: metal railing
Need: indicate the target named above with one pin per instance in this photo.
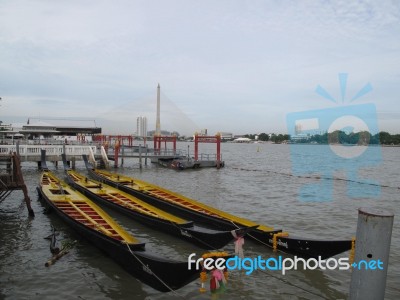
(35, 150)
(26, 151)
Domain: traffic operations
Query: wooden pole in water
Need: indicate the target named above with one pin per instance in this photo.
(17, 147)
(147, 153)
(116, 153)
(140, 156)
(218, 141)
(196, 146)
(374, 231)
(122, 155)
(174, 143)
(17, 175)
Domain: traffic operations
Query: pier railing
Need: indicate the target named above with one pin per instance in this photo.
(207, 156)
(32, 152)
(28, 152)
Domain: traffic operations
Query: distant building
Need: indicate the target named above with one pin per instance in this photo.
(300, 134)
(203, 132)
(163, 133)
(8, 132)
(57, 127)
(5, 127)
(242, 140)
(226, 135)
(141, 126)
(300, 137)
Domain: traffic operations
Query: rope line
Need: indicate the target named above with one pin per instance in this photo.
(155, 275)
(316, 177)
(294, 285)
(253, 237)
(278, 278)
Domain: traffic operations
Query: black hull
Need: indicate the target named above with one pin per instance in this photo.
(204, 238)
(307, 248)
(148, 268)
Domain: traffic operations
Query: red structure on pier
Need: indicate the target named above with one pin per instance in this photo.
(117, 140)
(158, 139)
(122, 139)
(207, 139)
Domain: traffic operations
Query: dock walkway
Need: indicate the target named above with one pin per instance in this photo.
(32, 153)
(73, 153)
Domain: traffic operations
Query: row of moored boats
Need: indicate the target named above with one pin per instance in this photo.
(74, 200)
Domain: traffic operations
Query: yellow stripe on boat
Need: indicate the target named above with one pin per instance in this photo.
(82, 209)
(123, 199)
(179, 199)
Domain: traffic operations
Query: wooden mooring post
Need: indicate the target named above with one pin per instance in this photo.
(140, 156)
(12, 180)
(368, 277)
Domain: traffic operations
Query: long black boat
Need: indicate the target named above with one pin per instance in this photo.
(202, 213)
(91, 222)
(151, 216)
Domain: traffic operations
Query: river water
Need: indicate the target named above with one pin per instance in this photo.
(261, 182)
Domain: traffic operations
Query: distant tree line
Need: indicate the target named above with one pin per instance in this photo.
(358, 138)
(336, 137)
(275, 138)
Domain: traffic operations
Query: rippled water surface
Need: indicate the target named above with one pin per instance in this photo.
(261, 182)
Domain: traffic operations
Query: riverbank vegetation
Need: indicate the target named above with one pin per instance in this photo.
(335, 137)
(358, 138)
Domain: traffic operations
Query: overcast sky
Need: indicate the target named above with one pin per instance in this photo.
(232, 66)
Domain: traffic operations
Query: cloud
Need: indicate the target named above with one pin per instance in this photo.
(215, 60)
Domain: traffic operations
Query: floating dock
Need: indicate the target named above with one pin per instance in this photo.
(191, 161)
(183, 163)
